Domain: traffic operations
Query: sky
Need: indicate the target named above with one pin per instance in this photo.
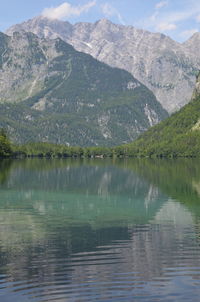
(178, 19)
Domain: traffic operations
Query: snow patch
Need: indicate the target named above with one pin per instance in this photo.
(88, 44)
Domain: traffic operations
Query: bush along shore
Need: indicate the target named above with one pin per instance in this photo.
(5, 145)
(48, 150)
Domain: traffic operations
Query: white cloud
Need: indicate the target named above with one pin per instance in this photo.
(66, 10)
(166, 26)
(109, 11)
(188, 33)
(161, 4)
(188, 12)
(169, 20)
(179, 16)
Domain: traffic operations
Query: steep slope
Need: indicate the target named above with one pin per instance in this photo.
(179, 135)
(163, 65)
(51, 92)
(192, 46)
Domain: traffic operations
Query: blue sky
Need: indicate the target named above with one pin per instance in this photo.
(177, 18)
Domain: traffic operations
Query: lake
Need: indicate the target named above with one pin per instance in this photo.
(99, 230)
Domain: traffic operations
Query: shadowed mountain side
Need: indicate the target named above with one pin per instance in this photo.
(51, 92)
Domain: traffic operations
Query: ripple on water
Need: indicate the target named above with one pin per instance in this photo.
(98, 233)
(130, 270)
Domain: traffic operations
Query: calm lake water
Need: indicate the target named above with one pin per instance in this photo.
(99, 230)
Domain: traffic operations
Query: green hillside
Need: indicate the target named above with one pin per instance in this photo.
(177, 136)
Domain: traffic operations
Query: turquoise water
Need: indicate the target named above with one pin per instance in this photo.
(99, 230)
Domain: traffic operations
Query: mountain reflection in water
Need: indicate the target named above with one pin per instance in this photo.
(99, 230)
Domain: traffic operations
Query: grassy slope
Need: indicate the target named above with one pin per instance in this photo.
(173, 137)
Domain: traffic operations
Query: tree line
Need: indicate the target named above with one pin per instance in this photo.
(5, 145)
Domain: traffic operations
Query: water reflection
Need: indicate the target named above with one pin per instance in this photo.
(99, 230)
(5, 166)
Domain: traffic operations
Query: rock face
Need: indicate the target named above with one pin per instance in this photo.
(196, 92)
(166, 67)
(51, 92)
(23, 69)
(192, 47)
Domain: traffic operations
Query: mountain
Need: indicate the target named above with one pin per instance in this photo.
(177, 136)
(192, 46)
(166, 67)
(51, 92)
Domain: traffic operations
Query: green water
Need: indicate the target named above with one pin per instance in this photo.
(99, 230)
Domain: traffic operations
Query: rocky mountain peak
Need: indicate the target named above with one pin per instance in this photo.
(195, 37)
(43, 27)
(192, 45)
(103, 21)
(165, 66)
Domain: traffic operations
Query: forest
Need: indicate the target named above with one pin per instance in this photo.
(176, 136)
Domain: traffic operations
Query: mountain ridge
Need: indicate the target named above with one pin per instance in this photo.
(166, 67)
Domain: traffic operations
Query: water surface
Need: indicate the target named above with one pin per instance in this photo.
(99, 230)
